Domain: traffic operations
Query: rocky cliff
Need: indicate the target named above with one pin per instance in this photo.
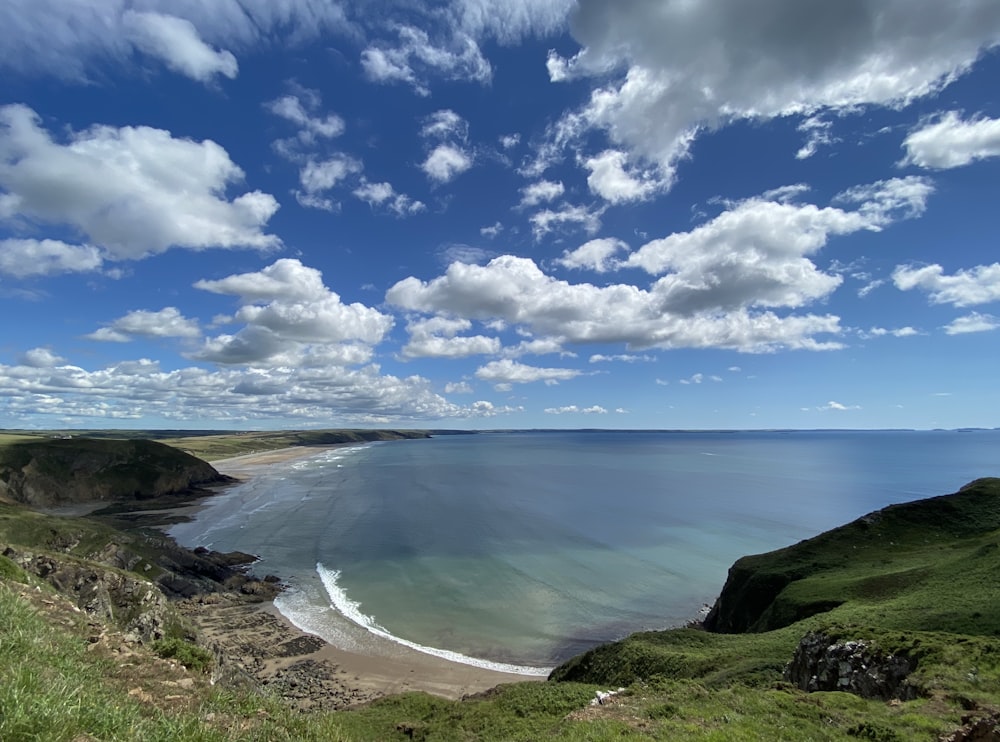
(51, 472)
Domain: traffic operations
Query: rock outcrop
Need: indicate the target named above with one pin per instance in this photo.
(52, 472)
(858, 667)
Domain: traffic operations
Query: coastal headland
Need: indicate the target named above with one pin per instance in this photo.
(887, 628)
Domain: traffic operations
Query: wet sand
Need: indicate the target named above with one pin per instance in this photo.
(304, 668)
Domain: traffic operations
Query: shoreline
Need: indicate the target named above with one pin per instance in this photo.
(306, 669)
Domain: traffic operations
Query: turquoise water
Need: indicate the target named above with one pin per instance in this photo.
(518, 550)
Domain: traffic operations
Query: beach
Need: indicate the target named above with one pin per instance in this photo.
(258, 640)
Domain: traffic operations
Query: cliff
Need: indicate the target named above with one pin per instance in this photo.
(51, 472)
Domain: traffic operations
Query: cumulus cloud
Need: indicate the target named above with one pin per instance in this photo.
(383, 195)
(596, 255)
(287, 311)
(573, 409)
(446, 162)
(964, 288)
(415, 56)
(505, 372)
(445, 124)
(133, 191)
(71, 40)
(540, 192)
(517, 292)
(24, 258)
(838, 407)
(319, 176)
(973, 322)
(167, 322)
(619, 357)
(756, 252)
(615, 182)
(42, 393)
(40, 358)
(949, 142)
(695, 66)
(547, 220)
(301, 110)
(176, 42)
(438, 337)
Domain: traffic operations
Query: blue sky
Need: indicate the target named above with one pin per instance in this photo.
(471, 214)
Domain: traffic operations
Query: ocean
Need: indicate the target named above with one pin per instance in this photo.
(517, 550)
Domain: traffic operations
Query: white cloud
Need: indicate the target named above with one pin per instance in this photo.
(383, 194)
(573, 410)
(446, 162)
(755, 253)
(509, 141)
(817, 131)
(168, 322)
(838, 407)
(25, 258)
(458, 387)
(318, 176)
(595, 255)
(506, 371)
(133, 191)
(445, 124)
(72, 39)
(545, 221)
(694, 379)
(899, 332)
(611, 180)
(415, 57)
(177, 43)
(287, 311)
(438, 337)
(973, 322)
(540, 192)
(491, 231)
(620, 357)
(979, 285)
(690, 66)
(316, 392)
(951, 142)
(516, 291)
(41, 358)
(300, 110)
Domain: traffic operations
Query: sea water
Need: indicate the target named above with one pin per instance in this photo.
(518, 550)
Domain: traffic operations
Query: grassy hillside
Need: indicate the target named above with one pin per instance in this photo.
(920, 580)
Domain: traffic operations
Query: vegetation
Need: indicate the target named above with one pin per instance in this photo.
(918, 580)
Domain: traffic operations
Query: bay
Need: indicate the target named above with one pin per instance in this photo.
(517, 550)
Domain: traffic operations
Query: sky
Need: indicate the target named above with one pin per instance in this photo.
(257, 214)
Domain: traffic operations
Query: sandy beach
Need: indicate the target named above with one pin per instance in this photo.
(302, 667)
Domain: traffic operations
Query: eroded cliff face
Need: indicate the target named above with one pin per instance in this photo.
(50, 472)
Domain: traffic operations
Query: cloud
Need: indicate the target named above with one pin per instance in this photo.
(317, 392)
(573, 409)
(670, 70)
(755, 252)
(26, 258)
(491, 231)
(300, 110)
(445, 124)
(167, 322)
(415, 57)
(540, 192)
(506, 371)
(837, 407)
(40, 358)
(595, 255)
(517, 292)
(384, 195)
(438, 337)
(445, 163)
(979, 285)
(611, 179)
(287, 312)
(547, 220)
(176, 42)
(817, 131)
(458, 387)
(949, 142)
(620, 357)
(973, 322)
(132, 191)
(72, 40)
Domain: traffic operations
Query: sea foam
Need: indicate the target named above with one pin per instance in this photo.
(351, 610)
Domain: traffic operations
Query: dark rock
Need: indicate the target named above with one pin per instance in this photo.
(857, 667)
(986, 729)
